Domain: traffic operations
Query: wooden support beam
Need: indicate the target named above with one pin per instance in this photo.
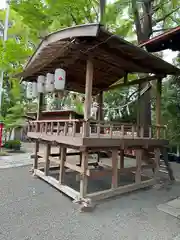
(80, 158)
(63, 188)
(158, 105)
(133, 82)
(62, 161)
(126, 78)
(100, 116)
(120, 190)
(76, 168)
(88, 92)
(35, 163)
(157, 160)
(114, 183)
(138, 166)
(166, 161)
(59, 154)
(121, 159)
(138, 109)
(84, 179)
(47, 160)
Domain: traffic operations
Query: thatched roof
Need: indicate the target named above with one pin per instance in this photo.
(113, 58)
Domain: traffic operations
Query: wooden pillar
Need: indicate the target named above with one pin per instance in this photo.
(121, 158)
(84, 179)
(60, 153)
(39, 110)
(158, 105)
(138, 165)
(100, 112)
(100, 117)
(62, 161)
(138, 110)
(114, 168)
(144, 107)
(80, 158)
(40, 105)
(47, 161)
(156, 160)
(35, 164)
(88, 93)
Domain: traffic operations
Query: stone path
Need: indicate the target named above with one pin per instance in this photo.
(17, 160)
(172, 207)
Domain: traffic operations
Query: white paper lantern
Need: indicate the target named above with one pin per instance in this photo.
(60, 79)
(29, 90)
(49, 82)
(34, 90)
(41, 84)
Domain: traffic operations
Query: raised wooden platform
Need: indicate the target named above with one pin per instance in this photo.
(87, 137)
(103, 141)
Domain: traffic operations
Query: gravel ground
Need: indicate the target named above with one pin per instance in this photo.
(31, 209)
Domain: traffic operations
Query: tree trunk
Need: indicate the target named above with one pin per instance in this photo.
(144, 30)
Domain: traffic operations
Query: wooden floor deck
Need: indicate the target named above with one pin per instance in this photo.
(103, 140)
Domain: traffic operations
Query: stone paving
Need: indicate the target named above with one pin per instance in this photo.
(31, 209)
(17, 160)
(171, 207)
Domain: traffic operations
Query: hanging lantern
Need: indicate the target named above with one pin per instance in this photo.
(34, 90)
(60, 78)
(29, 90)
(41, 84)
(49, 82)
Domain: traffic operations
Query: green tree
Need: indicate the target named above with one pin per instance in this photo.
(31, 21)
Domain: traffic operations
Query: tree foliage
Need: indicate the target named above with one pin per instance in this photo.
(31, 21)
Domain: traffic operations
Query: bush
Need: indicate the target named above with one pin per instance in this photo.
(13, 144)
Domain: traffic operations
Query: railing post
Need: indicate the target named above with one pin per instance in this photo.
(29, 127)
(165, 131)
(74, 129)
(65, 129)
(142, 132)
(52, 125)
(133, 131)
(36, 126)
(85, 129)
(158, 132)
(150, 132)
(98, 130)
(111, 131)
(58, 128)
(122, 130)
(46, 127)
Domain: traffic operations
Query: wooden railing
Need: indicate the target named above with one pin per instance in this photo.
(97, 129)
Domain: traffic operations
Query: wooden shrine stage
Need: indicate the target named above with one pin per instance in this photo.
(76, 173)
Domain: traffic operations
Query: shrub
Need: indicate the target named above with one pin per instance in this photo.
(13, 144)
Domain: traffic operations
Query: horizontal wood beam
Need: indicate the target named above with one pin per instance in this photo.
(120, 190)
(55, 183)
(133, 82)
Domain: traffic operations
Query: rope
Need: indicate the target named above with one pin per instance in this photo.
(95, 106)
